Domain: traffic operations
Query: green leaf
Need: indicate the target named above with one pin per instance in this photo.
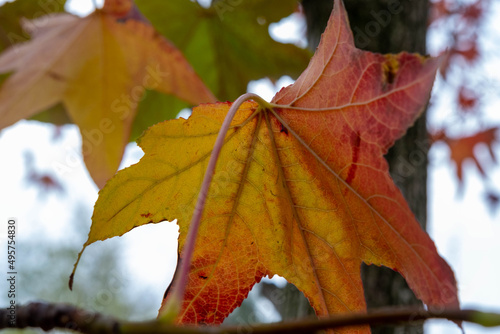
(3, 77)
(156, 107)
(11, 13)
(228, 44)
(56, 115)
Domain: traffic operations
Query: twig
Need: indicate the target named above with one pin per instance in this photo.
(51, 316)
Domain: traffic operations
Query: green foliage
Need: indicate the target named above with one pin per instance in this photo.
(228, 38)
(11, 13)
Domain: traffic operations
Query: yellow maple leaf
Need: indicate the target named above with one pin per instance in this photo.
(99, 69)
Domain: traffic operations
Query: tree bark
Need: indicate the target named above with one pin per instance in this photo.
(388, 26)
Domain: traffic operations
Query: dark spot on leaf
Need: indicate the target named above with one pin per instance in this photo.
(203, 277)
(283, 129)
(146, 215)
(355, 143)
(55, 76)
(390, 76)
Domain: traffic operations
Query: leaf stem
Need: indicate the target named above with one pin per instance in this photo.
(173, 306)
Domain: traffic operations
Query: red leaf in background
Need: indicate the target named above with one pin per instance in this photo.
(467, 49)
(467, 99)
(473, 12)
(440, 9)
(462, 149)
(45, 181)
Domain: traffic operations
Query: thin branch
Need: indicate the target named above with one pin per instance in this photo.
(51, 316)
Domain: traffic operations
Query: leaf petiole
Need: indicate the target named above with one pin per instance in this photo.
(173, 306)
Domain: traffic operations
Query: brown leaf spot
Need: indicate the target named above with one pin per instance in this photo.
(355, 142)
(146, 215)
(390, 68)
(55, 76)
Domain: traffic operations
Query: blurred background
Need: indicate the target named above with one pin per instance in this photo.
(127, 276)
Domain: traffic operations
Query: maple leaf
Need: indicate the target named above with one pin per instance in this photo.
(467, 49)
(215, 43)
(467, 99)
(473, 12)
(12, 32)
(462, 149)
(301, 188)
(439, 10)
(98, 69)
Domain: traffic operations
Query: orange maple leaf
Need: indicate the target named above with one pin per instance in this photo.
(99, 69)
(462, 149)
(301, 188)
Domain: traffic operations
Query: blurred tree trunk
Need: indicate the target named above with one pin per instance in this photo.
(388, 26)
